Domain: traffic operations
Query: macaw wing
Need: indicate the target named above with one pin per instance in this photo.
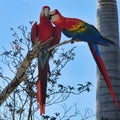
(100, 39)
(34, 33)
(75, 30)
(57, 35)
(85, 32)
(96, 54)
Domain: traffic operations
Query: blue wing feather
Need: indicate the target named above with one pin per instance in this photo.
(87, 33)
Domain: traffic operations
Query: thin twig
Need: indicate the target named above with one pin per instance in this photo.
(20, 75)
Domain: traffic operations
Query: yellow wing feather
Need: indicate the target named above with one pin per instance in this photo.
(80, 27)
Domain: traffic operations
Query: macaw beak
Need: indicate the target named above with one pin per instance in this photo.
(51, 13)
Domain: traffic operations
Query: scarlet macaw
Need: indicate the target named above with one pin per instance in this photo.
(78, 29)
(48, 36)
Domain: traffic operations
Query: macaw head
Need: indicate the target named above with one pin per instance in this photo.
(56, 17)
(45, 11)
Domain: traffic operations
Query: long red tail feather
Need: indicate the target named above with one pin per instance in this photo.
(41, 87)
(103, 70)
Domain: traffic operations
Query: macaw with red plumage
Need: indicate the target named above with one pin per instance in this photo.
(48, 36)
(78, 29)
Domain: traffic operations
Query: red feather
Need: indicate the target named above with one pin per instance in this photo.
(57, 35)
(77, 29)
(103, 71)
(34, 33)
(44, 31)
(42, 86)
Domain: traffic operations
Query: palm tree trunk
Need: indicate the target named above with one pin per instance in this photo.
(107, 23)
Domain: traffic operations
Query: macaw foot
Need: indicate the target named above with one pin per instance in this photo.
(74, 40)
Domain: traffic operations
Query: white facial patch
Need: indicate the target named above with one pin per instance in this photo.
(55, 18)
(46, 12)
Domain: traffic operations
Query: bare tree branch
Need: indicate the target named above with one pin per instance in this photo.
(20, 75)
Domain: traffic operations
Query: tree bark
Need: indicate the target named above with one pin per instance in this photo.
(107, 23)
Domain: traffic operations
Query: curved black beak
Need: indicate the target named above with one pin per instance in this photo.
(51, 14)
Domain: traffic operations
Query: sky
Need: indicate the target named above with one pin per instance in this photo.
(19, 12)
